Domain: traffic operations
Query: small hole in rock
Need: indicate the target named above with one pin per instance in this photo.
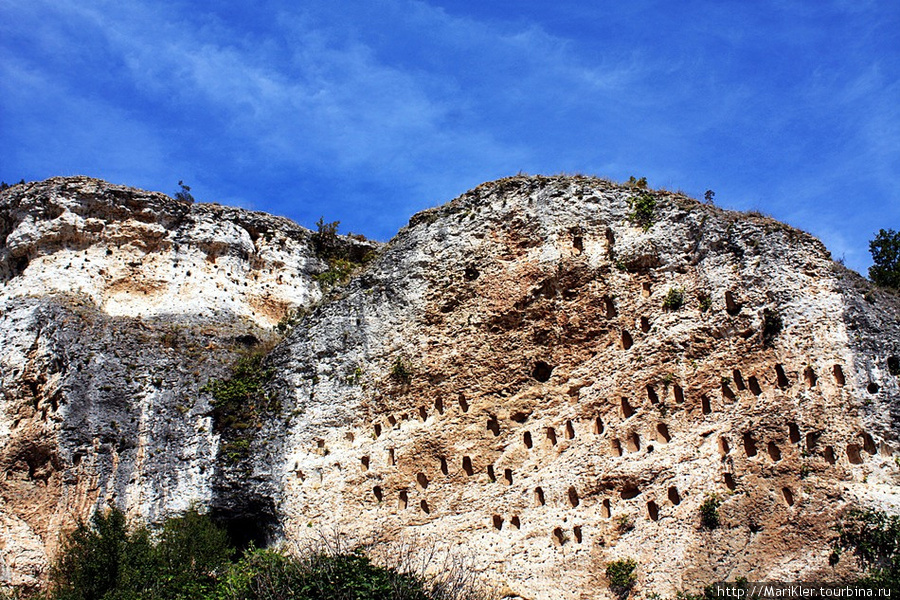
(893, 363)
(551, 435)
(439, 405)
(782, 377)
(403, 500)
(674, 496)
(616, 446)
(379, 495)
(573, 497)
(605, 509)
(520, 417)
(539, 496)
(749, 445)
(576, 531)
(723, 446)
(467, 465)
(508, 476)
(651, 395)
(629, 492)
(872, 388)
(365, 463)
(610, 307)
(570, 430)
(541, 371)
(731, 307)
(645, 324)
(726, 391)
(526, 438)
(463, 403)
(729, 481)
(515, 522)
(853, 454)
(627, 340)
(627, 410)
(493, 426)
(868, 443)
(830, 458)
(598, 426)
(793, 433)
(422, 480)
(653, 511)
(679, 393)
(774, 452)
(559, 536)
(662, 433)
(444, 469)
(633, 442)
(738, 380)
(704, 405)
(812, 439)
(810, 377)
(498, 522)
(838, 373)
(754, 386)
(788, 496)
(424, 506)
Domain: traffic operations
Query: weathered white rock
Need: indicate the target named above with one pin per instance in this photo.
(507, 380)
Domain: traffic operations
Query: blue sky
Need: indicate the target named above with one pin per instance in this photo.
(366, 111)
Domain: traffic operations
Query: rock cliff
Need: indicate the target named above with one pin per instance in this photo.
(547, 373)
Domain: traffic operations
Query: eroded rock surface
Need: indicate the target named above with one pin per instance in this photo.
(510, 379)
(523, 375)
(117, 306)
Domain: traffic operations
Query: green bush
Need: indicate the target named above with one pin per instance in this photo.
(705, 301)
(401, 372)
(885, 249)
(239, 403)
(106, 561)
(643, 210)
(874, 538)
(339, 270)
(185, 193)
(269, 575)
(325, 239)
(621, 576)
(674, 299)
(638, 183)
(191, 559)
(709, 512)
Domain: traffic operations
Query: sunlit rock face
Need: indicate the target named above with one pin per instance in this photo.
(533, 375)
(117, 305)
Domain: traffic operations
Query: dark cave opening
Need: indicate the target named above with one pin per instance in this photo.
(252, 524)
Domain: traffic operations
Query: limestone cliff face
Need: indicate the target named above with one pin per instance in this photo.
(514, 377)
(116, 307)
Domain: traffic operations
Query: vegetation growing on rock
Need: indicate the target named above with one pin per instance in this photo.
(885, 249)
(190, 558)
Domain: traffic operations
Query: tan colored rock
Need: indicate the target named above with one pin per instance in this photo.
(507, 380)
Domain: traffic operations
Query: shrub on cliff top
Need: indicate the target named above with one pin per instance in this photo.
(885, 249)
